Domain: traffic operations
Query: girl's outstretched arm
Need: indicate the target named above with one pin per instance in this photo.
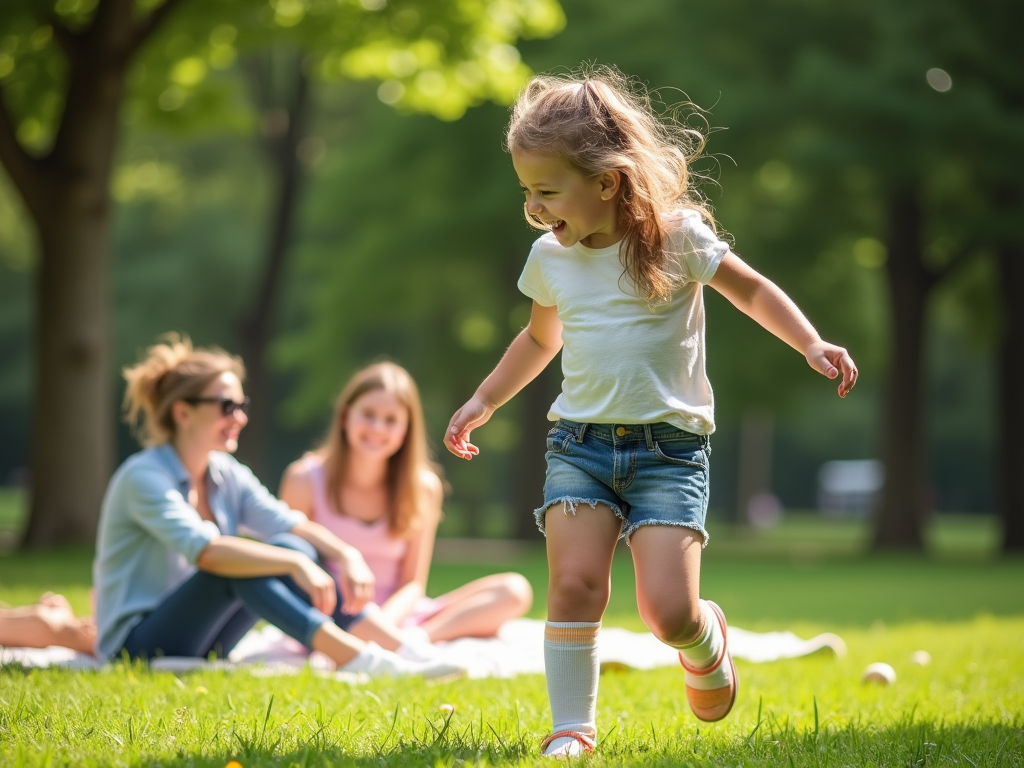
(757, 296)
(528, 355)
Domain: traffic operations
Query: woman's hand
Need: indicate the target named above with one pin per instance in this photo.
(315, 582)
(829, 360)
(473, 414)
(355, 579)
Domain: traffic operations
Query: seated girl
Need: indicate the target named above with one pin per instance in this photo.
(174, 575)
(372, 483)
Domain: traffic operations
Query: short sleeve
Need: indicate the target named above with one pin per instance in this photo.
(701, 250)
(156, 505)
(532, 283)
(260, 512)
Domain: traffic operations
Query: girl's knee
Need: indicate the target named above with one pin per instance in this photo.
(578, 592)
(517, 591)
(674, 625)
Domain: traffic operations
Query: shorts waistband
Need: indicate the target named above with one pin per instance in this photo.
(621, 433)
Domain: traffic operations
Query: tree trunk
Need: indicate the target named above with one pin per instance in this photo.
(1011, 412)
(903, 506)
(72, 429)
(284, 129)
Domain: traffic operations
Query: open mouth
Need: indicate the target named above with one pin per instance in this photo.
(557, 226)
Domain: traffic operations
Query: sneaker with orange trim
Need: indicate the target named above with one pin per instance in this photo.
(709, 700)
(579, 744)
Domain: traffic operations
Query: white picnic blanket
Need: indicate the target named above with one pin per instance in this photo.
(518, 649)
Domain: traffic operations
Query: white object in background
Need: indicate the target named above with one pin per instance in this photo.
(879, 672)
(921, 658)
(849, 488)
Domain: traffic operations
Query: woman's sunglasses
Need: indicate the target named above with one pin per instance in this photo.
(227, 405)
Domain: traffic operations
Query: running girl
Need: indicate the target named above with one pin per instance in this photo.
(616, 284)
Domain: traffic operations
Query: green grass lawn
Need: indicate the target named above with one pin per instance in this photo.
(965, 709)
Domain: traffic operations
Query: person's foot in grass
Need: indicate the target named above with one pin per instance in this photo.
(565, 744)
(711, 681)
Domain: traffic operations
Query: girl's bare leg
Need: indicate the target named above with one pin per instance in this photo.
(379, 629)
(337, 644)
(580, 550)
(51, 621)
(667, 564)
(479, 608)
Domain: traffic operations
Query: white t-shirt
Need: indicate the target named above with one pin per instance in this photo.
(626, 361)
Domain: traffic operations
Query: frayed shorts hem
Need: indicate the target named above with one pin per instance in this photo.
(630, 529)
(570, 503)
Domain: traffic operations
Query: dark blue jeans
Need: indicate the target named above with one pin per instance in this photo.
(209, 614)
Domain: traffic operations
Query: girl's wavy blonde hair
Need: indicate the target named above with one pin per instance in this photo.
(407, 494)
(598, 120)
(171, 370)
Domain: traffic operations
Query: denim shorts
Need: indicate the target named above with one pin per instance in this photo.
(649, 474)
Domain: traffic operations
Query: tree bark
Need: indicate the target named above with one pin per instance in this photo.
(903, 506)
(67, 195)
(1011, 413)
(72, 429)
(284, 130)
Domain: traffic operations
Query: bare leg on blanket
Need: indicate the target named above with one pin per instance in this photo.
(48, 622)
(478, 609)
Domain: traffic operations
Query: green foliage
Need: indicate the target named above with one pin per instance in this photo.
(439, 57)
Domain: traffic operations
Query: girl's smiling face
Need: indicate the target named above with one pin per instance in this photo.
(578, 208)
(375, 424)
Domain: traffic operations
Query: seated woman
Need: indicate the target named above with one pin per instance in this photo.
(372, 483)
(50, 621)
(172, 573)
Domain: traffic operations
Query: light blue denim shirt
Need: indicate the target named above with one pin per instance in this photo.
(150, 536)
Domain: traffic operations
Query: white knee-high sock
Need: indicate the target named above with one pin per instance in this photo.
(570, 661)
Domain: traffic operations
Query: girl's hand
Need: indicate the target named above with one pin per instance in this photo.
(317, 583)
(473, 414)
(830, 360)
(356, 580)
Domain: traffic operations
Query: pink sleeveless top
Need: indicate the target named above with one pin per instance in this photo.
(382, 553)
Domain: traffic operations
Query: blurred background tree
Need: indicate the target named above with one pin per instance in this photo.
(883, 197)
(67, 68)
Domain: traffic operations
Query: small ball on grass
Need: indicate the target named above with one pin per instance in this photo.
(921, 658)
(879, 672)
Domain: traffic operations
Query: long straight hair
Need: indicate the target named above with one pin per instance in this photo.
(597, 120)
(407, 496)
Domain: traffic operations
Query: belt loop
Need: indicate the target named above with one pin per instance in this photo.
(648, 437)
(583, 431)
